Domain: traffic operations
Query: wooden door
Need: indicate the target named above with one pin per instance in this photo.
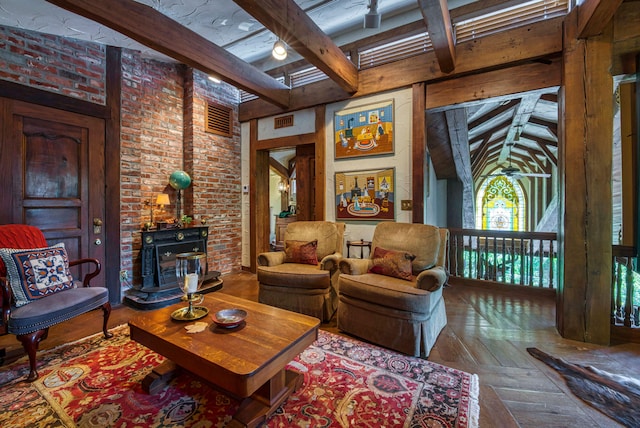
(56, 159)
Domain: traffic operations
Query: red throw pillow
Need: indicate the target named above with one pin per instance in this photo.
(392, 263)
(301, 252)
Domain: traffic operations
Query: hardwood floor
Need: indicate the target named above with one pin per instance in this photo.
(487, 333)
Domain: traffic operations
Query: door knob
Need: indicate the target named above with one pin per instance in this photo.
(97, 226)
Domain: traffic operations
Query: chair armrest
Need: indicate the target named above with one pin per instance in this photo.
(89, 275)
(431, 279)
(355, 266)
(331, 262)
(271, 258)
(6, 304)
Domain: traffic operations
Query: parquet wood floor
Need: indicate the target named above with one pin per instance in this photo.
(487, 333)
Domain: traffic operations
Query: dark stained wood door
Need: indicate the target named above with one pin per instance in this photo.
(57, 177)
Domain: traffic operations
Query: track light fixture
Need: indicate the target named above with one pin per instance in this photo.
(279, 51)
(372, 19)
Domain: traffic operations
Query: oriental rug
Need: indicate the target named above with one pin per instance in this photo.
(96, 382)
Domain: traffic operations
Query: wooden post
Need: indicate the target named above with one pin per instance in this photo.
(586, 162)
(418, 152)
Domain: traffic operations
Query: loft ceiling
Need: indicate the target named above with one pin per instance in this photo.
(220, 37)
(521, 130)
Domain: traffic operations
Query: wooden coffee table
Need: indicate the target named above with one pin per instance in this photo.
(247, 361)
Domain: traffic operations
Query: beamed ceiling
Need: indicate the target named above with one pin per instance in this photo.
(520, 131)
(232, 41)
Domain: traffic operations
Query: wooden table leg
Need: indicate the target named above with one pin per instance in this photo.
(159, 377)
(256, 409)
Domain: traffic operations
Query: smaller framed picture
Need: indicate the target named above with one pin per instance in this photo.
(366, 195)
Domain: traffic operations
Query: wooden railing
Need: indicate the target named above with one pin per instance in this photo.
(515, 258)
(625, 292)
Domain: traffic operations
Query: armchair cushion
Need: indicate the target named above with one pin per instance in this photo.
(37, 273)
(44, 313)
(302, 276)
(301, 252)
(392, 263)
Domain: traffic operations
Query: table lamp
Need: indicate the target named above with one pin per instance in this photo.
(162, 200)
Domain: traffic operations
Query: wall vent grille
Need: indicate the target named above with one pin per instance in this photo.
(283, 121)
(219, 120)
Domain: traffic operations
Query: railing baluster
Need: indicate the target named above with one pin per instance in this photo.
(628, 304)
(530, 267)
(521, 261)
(552, 259)
(513, 261)
(503, 264)
(614, 281)
(540, 261)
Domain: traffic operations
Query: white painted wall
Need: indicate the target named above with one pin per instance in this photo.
(304, 122)
(400, 160)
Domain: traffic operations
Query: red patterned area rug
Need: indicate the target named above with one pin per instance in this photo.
(96, 382)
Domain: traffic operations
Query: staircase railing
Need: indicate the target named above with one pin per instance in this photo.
(516, 258)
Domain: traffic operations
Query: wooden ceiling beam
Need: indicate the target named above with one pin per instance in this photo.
(458, 135)
(495, 127)
(439, 146)
(520, 117)
(479, 161)
(479, 154)
(486, 135)
(287, 20)
(496, 50)
(440, 28)
(157, 31)
(543, 144)
(594, 16)
(551, 126)
(491, 157)
(531, 155)
(493, 113)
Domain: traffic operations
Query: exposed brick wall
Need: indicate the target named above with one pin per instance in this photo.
(151, 145)
(214, 164)
(162, 130)
(52, 63)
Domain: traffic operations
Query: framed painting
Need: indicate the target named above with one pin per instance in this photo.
(364, 131)
(365, 195)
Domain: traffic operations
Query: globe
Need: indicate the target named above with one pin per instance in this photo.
(179, 180)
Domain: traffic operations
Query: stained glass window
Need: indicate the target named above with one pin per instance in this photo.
(500, 205)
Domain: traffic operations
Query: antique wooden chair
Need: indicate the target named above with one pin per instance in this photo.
(38, 290)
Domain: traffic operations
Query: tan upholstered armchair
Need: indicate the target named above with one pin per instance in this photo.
(304, 277)
(394, 298)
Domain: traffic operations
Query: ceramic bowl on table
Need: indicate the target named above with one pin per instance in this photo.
(228, 318)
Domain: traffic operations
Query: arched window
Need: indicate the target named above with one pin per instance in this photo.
(500, 204)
